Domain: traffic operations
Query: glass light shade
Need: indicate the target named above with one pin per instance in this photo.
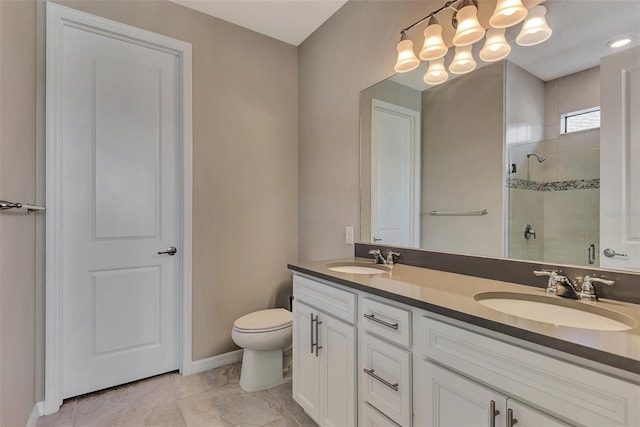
(496, 46)
(436, 73)
(407, 60)
(535, 29)
(507, 14)
(434, 46)
(463, 61)
(469, 29)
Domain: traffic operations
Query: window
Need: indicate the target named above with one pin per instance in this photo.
(580, 120)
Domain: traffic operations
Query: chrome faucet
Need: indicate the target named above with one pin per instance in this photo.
(558, 284)
(390, 259)
(588, 291)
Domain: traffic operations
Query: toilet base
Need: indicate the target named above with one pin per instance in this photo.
(262, 370)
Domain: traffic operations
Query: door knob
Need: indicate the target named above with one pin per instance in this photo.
(375, 239)
(170, 251)
(610, 253)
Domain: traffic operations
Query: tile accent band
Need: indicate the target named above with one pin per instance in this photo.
(576, 184)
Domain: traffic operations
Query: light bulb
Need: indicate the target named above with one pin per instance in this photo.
(407, 60)
(469, 29)
(507, 14)
(436, 73)
(535, 29)
(495, 47)
(463, 61)
(434, 46)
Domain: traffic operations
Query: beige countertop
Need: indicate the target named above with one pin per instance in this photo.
(452, 295)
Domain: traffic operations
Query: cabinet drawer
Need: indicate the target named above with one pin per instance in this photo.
(385, 378)
(570, 391)
(331, 300)
(371, 417)
(386, 320)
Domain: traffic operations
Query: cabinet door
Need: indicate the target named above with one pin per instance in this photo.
(306, 365)
(525, 416)
(337, 357)
(445, 399)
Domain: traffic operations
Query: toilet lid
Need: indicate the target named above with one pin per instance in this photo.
(274, 318)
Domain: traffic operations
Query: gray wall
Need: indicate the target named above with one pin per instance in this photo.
(352, 51)
(245, 103)
(462, 159)
(17, 231)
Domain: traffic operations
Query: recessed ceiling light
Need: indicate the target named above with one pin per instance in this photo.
(619, 42)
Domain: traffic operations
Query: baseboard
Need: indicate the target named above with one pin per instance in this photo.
(38, 410)
(216, 361)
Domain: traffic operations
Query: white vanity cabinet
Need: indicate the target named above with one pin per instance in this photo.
(412, 367)
(445, 399)
(515, 378)
(324, 352)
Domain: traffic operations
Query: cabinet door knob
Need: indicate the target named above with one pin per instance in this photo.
(510, 420)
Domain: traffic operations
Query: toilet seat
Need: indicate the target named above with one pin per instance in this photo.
(264, 321)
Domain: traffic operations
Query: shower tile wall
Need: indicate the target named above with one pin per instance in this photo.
(559, 197)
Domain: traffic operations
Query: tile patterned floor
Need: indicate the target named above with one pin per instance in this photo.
(212, 398)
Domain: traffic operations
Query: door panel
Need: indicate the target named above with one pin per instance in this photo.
(120, 181)
(306, 366)
(529, 417)
(620, 160)
(127, 137)
(449, 400)
(338, 341)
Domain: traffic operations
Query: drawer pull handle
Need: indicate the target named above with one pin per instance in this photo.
(510, 420)
(371, 373)
(493, 413)
(382, 322)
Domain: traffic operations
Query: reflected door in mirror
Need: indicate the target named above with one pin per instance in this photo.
(395, 174)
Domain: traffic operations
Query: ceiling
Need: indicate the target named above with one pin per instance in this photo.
(290, 21)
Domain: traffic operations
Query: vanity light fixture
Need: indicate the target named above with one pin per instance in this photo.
(407, 60)
(507, 14)
(436, 73)
(496, 46)
(463, 61)
(613, 44)
(535, 29)
(468, 28)
(469, 31)
(434, 46)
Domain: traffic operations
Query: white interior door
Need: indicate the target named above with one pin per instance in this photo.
(120, 168)
(620, 160)
(395, 174)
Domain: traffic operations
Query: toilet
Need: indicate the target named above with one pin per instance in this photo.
(264, 335)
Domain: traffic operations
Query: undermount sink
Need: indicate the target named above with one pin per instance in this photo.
(556, 311)
(358, 268)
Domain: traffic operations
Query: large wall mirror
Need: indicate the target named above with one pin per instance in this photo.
(535, 157)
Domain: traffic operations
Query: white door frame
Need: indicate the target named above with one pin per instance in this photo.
(59, 17)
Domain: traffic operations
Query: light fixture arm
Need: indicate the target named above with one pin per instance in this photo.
(447, 5)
